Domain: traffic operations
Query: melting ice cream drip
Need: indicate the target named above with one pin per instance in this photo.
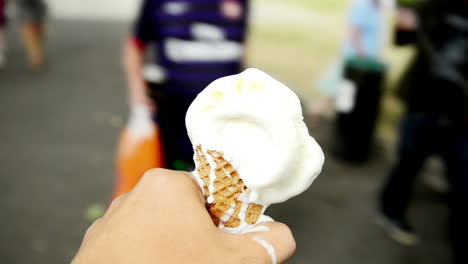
(211, 187)
(269, 248)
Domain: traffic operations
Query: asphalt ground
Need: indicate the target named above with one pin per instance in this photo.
(59, 129)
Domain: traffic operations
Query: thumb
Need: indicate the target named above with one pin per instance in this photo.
(276, 239)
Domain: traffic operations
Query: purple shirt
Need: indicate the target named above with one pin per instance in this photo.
(197, 41)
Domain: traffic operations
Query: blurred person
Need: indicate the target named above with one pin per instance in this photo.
(435, 91)
(365, 39)
(353, 86)
(164, 220)
(32, 14)
(195, 42)
(2, 31)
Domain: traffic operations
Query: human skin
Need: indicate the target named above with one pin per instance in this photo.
(164, 220)
(406, 19)
(133, 58)
(33, 37)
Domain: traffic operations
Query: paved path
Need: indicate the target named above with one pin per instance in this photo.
(59, 128)
(94, 10)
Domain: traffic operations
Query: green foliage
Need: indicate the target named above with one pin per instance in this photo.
(94, 211)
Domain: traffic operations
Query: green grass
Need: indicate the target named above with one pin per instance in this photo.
(323, 6)
(296, 58)
(298, 51)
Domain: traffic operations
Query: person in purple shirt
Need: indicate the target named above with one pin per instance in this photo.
(195, 42)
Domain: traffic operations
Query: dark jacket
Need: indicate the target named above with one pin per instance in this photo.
(437, 80)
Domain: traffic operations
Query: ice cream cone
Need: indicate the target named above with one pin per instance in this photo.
(224, 191)
(252, 147)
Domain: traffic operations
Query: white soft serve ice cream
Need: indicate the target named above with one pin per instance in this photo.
(257, 123)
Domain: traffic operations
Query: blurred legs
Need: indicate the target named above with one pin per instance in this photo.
(419, 139)
(2, 46)
(456, 158)
(33, 35)
(416, 143)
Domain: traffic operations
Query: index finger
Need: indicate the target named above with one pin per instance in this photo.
(273, 239)
(169, 186)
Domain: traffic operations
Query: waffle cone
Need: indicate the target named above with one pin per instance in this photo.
(224, 193)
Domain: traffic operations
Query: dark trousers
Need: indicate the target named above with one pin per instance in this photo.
(170, 117)
(424, 134)
(354, 131)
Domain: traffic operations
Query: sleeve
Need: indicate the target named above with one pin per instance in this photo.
(144, 28)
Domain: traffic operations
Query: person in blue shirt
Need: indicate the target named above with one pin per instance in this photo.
(195, 42)
(365, 26)
(365, 40)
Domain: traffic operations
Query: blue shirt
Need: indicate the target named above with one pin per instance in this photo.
(366, 16)
(197, 41)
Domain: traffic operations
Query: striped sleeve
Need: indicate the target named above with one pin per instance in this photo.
(145, 26)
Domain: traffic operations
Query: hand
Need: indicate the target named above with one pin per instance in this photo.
(139, 95)
(317, 110)
(164, 220)
(356, 41)
(407, 19)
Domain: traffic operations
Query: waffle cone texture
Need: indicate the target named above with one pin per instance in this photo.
(224, 190)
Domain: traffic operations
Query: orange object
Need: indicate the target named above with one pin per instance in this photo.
(140, 149)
